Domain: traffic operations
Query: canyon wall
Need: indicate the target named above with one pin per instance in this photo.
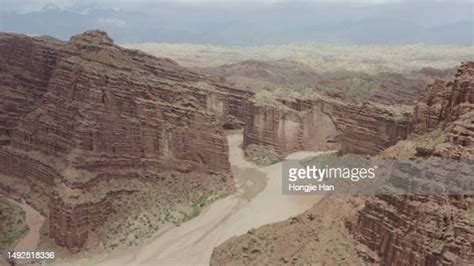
(449, 106)
(70, 225)
(436, 229)
(25, 69)
(417, 230)
(323, 124)
(80, 112)
(431, 229)
(368, 128)
(286, 130)
(445, 102)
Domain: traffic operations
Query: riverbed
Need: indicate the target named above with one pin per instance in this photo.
(258, 201)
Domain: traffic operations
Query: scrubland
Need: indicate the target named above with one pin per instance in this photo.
(322, 57)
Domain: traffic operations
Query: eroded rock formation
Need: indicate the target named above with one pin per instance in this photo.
(77, 114)
(417, 230)
(431, 229)
(367, 128)
(445, 102)
(435, 229)
(25, 68)
(306, 127)
(323, 124)
(449, 106)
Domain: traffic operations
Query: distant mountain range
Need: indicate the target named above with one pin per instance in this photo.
(252, 24)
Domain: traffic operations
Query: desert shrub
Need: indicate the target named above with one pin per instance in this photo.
(13, 223)
(261, 155)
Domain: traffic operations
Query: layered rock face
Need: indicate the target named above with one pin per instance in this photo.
(431, 229)
(323, 125)
(460, 138)
(449, 106)
(109, 101)
(293, 125)
(436, 229)
(80, 113)
(25, 68)
(445, 102)
(70, 225)
(286, 130)
(417, 230)
(367, 128)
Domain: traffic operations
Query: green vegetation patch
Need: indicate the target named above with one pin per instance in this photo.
(156, 206)
(261, 155)
(470, 214)
(433, 138)
(439, 245)
(12, 223)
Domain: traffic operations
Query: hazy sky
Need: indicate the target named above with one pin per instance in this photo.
(247, 21)
(34, 5)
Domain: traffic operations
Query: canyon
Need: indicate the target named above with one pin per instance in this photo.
(258, 191)
(426, 229)
(101, 138)
(82, 119)
(293, 107)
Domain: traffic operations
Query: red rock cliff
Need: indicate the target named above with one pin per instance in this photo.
(25, 68)
(77, 112)
(323, 125)
(429, 230)
(445, 102)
